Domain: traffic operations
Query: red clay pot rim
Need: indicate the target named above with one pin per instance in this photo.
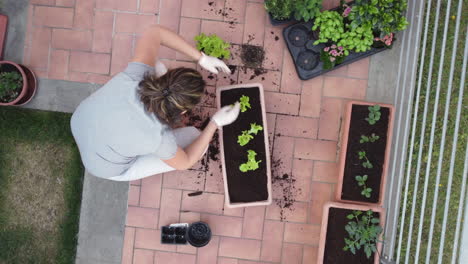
(25, 82)
(344, 146)
(267, 147)
(324, 225)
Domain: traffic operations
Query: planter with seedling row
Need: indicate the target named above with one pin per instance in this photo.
(244, 148)
(365, 150)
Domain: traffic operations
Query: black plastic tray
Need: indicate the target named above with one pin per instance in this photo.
(175, 234)
(310, 53)
(276, 22)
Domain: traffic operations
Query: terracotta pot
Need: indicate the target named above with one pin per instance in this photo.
(3, 31)
(324, 226)
(29, 82)
(230, 204)
(344, 145)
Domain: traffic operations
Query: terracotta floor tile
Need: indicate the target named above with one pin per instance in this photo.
(269, 79)
(71, 39)
(222, 260)
(295, 213)
(209, 253)
(303, 168)
(174, 258)
(39, 52)
(345, 88)
(142, 217)
(188, 29)
(59, 61)
(223, 225)
(272, 241)
(235, 11)
(311, 97)
(143, 256)
(325, 171)
(228, 32)
(53, 16)
(316, 212)
(290, 82)
(254, 33)
(274, 47)
(169, 14)
(134, 195)
(205, 203)
(129, 240)
(83, 18)
(310, 255)
(293, 126)
(122, 52)
(203, 9)
(151, 239)
(170, 206)
(330, 119)
(102, 34)
(280, 103)
(292, 254)
(90, 62)
(359, 69)
(283, 150)
(315, 149)
(239, 248)
(189, 218)
(253, 222)
(149, 6)
(302, 233)
(239, 212)
(150, 195)
(186, 180)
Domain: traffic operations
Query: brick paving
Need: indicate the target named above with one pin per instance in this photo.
(91, 40)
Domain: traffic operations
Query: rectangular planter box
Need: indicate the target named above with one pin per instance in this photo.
(251, 188)
(332, 230)
(379, 155)
(3, 31)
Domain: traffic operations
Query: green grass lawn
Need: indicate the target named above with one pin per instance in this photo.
(41, 179)
(458, 176)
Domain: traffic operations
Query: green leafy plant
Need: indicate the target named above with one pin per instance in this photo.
(361, 180)
(244, 103)
(280, 9)
(366, 164)
(307, 9)
(246, 135)
(384, 16)
(331, 56)
(358, 38)
(10, 84)
(213, 45)
(363, 231)
(374, 114)
(372, 138)
(251, 163)
(331, 26)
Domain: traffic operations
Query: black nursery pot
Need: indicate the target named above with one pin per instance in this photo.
(199, 234)
(276, 22)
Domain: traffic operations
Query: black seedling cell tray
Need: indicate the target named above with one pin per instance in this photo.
(175, 234)
(306, 56)
(276, 22)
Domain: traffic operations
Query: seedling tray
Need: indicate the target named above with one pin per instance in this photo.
(174, 234)
(276, 22)
(306, 56)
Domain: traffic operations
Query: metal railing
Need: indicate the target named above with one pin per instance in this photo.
(427, 154)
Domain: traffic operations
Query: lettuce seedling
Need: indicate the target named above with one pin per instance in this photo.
(246, 136)
(254, 128)
(213, 45)
(244, 103)
(251, 163)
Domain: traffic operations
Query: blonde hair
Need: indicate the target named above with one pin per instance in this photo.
(170, 95)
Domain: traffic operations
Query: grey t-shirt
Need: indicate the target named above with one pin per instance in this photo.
(112, 128)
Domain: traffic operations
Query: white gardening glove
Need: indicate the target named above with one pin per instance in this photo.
(212, 64)
(226, 115)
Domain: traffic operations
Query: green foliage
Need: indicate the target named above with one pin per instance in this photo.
(280, 9)
(331, 56)
(385, 16)
(10, 83)
(363, 231)
(358, 38)
(307, 9)
(213, 45)
(374, 114)
(251, 163)
(246, 136)
(331, 26)
(366, 164)
(372, 138)
(361, 180)
(244, 103)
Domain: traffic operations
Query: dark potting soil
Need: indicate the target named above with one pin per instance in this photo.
(250, 186)
(375, 153)
(336, 233)
(252, 56)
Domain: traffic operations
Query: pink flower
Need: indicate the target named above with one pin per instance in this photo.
(388, 42)
(376, 39)
(333, 46)
(326, 49)
(332, 59)
(334, 52)
(346, 11)
(340, 48)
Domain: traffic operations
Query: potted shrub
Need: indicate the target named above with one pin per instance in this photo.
(350, 234)
(364, 153)
(357, 31)
(244, 148)
(17, 84)
(280, 11)
(3, 30)
(213, 45)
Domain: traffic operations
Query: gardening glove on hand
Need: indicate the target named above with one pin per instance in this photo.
(160, 69)
(226, 115)
(212, 64)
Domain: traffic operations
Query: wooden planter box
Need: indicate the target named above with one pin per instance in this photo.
(252, 188)
(355, 125)
(333, 233)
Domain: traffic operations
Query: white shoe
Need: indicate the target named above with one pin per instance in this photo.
(160, 68)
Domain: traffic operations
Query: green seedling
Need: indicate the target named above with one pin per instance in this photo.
(372, 138)
(361, 180)
(244, 103)
(246, 136)
(366, 164)
(251, 163)
(374, 114)
(213, 45)
(363, 231)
